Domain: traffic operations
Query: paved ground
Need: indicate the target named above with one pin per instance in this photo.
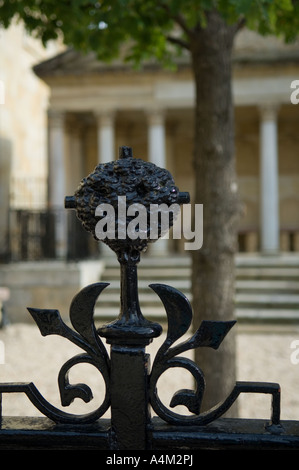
(263, 354)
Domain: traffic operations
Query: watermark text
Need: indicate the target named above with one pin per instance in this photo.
(151, 223)
(295, 94)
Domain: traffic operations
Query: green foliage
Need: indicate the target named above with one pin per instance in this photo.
(143, 29)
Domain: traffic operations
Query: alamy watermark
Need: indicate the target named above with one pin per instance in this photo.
(295, 94)
(150, 223)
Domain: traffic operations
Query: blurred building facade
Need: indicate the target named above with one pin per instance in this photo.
(23, 131)
(83, 110)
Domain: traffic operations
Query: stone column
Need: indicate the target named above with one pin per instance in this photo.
(57, 180)
(269, 180)
(106, 136)
(156, 138)
(106, 151)
(74, 160)
(157, 155)
(5, 174)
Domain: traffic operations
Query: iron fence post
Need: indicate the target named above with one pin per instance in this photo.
(129, 371)
(130, 414)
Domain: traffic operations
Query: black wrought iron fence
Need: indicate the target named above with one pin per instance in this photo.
(131, 392)
(31, 236)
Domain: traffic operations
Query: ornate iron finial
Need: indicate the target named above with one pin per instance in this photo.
(120, 184)
(134, 183)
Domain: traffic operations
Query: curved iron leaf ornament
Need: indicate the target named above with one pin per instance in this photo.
(85, 336)
(209, 334)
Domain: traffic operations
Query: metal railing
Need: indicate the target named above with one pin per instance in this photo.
(131, 392)
(31, 236)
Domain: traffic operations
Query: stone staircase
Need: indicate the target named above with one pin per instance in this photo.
(267, 287)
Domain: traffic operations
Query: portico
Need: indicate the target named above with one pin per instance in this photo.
(99, 108)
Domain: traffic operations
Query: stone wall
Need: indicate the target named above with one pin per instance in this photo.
(48, 285)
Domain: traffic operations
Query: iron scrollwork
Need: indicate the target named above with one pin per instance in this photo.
(141, 183)
(85, 336)
(209, 334)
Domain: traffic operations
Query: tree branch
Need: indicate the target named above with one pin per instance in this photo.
(178, 42)
(178, 19)
(240, 24)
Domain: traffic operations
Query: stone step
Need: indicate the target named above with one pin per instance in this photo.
(155, 261)
(285, 301)
(183, 285)
(241, 260)
(266, 287)
(242, 300)
(262, 285)
(176, 267)
(267, 315)
(287, 274)
(111, 313)
(275, 308)
(282, 259)
(151, 273)
(268, 273)
(103, 315)
(248, 285)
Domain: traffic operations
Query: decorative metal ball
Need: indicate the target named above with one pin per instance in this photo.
(141, 183)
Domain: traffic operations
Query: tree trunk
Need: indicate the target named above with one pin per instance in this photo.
(213, 267)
